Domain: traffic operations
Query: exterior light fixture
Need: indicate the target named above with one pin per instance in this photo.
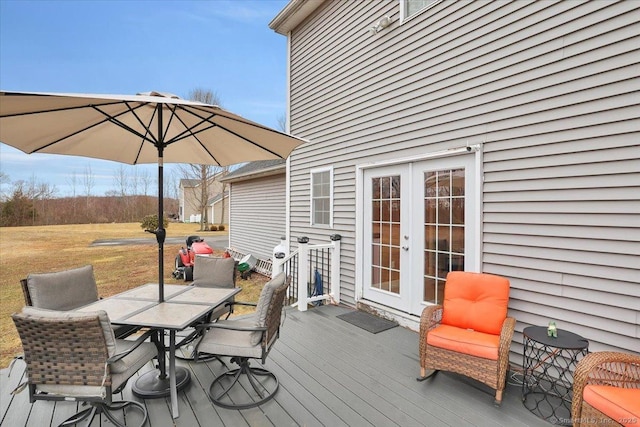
(383, 23)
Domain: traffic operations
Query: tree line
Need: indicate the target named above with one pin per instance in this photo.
(37, 203)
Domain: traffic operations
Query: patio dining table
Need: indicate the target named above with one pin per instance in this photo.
(183, 306)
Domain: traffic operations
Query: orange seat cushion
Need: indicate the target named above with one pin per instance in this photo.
(465, 341)
(620, 404)
(476, 301)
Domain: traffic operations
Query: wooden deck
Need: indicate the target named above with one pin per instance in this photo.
(331, 374)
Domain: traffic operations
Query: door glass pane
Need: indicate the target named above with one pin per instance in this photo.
(385, 226)
(443, 229)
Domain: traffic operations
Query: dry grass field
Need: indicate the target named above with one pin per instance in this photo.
(25, 250)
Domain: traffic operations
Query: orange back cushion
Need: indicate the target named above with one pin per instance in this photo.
(475, 301)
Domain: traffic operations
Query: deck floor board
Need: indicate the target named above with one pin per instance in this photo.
(331, 373)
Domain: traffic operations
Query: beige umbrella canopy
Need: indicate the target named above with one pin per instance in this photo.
(130, 129)
(151, 127)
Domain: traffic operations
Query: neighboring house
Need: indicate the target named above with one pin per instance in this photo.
(493, 136)
(257, 207)
(190, 195)
(218, 209)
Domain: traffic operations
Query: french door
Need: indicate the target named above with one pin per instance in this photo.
(420, 221)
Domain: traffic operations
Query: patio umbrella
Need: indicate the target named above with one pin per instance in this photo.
(145, 128)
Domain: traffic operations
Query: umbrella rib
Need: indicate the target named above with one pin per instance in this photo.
(54, 110)
(108, 118)
(212, 115)
(148, 135)
(188, 131)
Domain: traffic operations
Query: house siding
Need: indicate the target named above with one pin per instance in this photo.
(257, 215)
(216, 214)
(552, 92)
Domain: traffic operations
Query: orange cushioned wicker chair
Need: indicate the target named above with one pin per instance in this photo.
(606, 390)
(470, 333)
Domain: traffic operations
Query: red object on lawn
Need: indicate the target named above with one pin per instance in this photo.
(186, 257)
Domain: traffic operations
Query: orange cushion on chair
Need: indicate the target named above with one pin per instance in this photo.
(475, 301)
(620, 404)
(465, 341)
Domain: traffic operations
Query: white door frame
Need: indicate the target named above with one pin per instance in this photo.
(476, 217)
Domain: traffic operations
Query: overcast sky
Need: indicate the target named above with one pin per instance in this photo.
(127, 47)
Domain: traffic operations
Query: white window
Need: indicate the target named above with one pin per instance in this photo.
(411, 7)
(322, 196)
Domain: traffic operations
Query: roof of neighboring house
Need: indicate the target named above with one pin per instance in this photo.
(186, 182)
(217, 198)
(189, 183)
(256, 170)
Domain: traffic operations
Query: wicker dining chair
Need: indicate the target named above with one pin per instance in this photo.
(66, 290)
(74, 356)
(244, 339)
(470, 333)
(209, 272)
(606, 390)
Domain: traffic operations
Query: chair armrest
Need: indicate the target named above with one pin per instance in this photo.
(430, 318)
(250, 304)
(506, 336)
(604, 368)
(142, 338)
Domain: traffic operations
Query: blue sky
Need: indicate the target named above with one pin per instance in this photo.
(126, 47)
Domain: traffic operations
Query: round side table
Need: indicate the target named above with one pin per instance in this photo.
(548, 365)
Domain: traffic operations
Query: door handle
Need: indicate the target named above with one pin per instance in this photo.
(406, 248)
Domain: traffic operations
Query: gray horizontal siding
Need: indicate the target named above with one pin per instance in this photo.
(258, 215)
(550, 89)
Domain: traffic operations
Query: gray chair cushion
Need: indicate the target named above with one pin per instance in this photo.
(263, 304)
(213, 272)
(64, 290)
(227, 342)
(124, 368)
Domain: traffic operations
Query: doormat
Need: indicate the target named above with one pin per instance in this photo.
(366, 321)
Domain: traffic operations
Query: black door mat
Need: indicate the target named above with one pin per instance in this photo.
(366, 321)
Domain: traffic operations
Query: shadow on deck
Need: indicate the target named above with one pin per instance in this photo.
(331, 374)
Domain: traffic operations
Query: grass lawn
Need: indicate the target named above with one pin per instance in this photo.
(25, 250)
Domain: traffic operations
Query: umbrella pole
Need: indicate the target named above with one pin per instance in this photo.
(160, 231)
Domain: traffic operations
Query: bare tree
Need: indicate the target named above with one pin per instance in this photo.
(4, 179)
(282, 122)
(19, 208)
(205, 175)
(145, 181)
(88, 180)
(73, 183)
(40, 191)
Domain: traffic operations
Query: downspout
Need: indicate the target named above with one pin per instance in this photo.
(287, 227)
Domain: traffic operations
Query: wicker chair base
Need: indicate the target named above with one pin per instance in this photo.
(483, 370)
(591, 417)
(100, 408)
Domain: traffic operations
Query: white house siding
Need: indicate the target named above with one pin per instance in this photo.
(257, 215)
(552, 92)
(216, 214)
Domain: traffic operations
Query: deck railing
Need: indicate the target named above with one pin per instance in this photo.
(314, 272)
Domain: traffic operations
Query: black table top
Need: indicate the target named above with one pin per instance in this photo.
(565, 339)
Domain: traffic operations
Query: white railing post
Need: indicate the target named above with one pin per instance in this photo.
(303, 273)
(279, 254)
(334, 292)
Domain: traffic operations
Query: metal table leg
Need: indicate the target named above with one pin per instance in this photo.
(154, 384)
